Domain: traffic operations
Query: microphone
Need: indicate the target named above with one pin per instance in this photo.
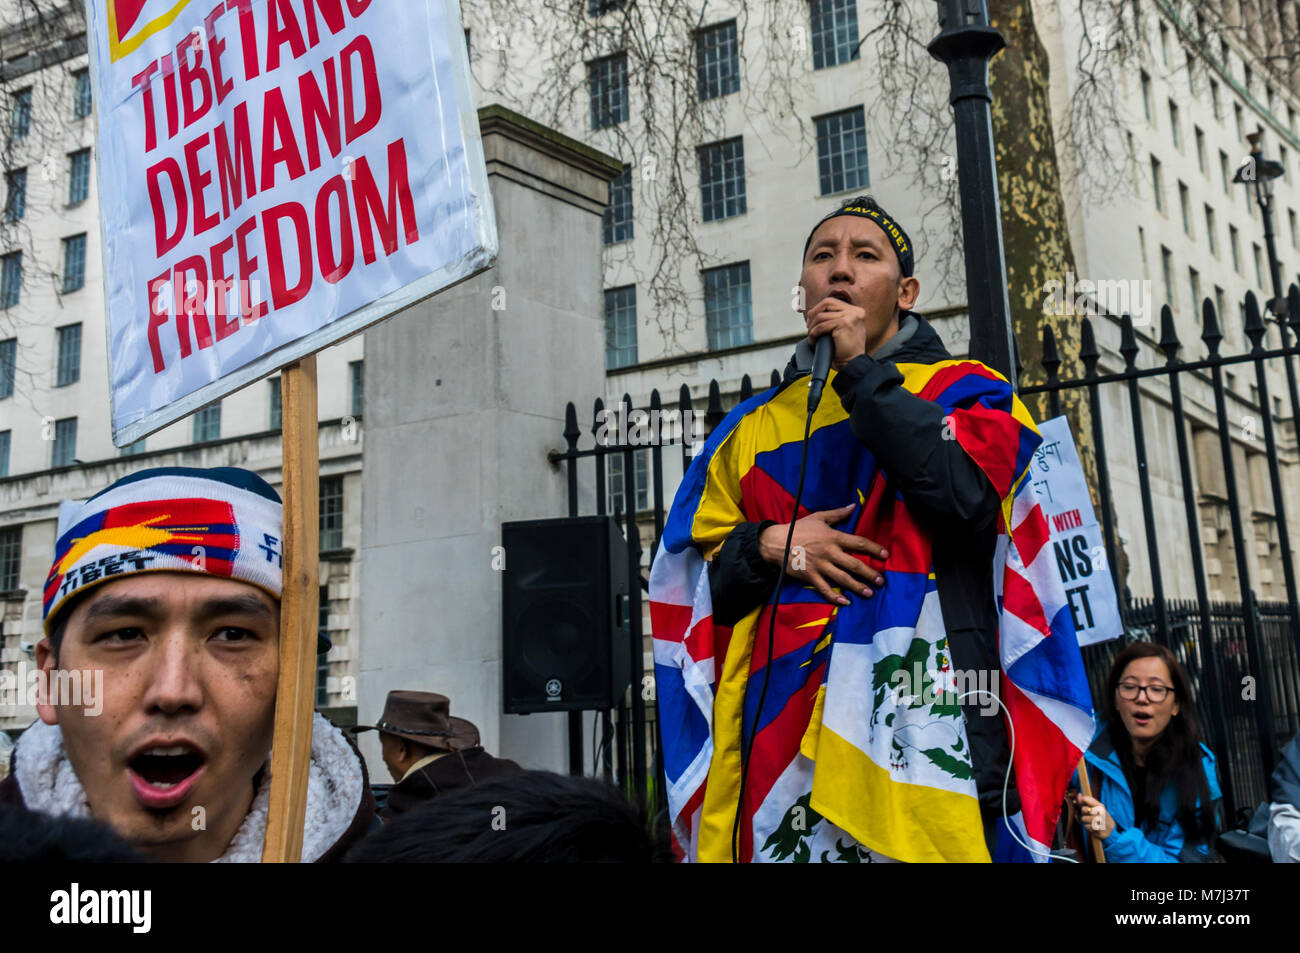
(821, 367)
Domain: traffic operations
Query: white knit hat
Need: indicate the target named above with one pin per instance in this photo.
(223, 521)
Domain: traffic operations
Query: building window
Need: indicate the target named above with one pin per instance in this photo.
(64, 451)
(207, 423)
(1157, 185)
(1223, 171)
(4, 452)
(1146, 98)
(20, 113)
(1236, 115)
(1194, 279)
(15, 195)
(620, 327)
(596, 7)
(722, 179)
(607, 85)
(1210, 231)
(641, 473)
(331, 513)
(81, 96)
(1173, 126)
(358, 372)
(11, 555)
(74, 262)
(1236, 250)
(1295, 232)
(1200, 148)
(1167, 267)
(1219, 306)
(834, 32)
(1184, 199)
(1259, 266)
(11, 278)
(1214, 100)
(322, 663)
(1164, 45)
(618, 213)
(68, 369)
(842, 151)
(78, 176)
(277, 408)
(8, 364)
(728, 308)
(717, 60)
(132, 449)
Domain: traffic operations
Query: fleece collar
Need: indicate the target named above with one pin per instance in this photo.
(334, 790)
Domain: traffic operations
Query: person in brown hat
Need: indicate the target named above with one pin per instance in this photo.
(429, 751)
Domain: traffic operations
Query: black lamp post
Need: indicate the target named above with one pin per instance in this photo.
(966, 42)
(1257, 174)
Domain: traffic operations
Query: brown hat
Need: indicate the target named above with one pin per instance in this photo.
(424, 717)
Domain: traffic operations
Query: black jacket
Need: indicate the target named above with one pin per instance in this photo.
(949, 494)
(451, 772)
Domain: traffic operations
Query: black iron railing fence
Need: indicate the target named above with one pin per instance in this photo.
(1243, 657)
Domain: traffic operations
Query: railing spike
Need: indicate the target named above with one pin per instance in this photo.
(714, 413)
(746, 388)
(1088, 352)
(1051, 360)
(1254, 326)
(1210, 332)
(597, 414)
(1128, 345)
(571, 430)
(776, 377)
(1169, 342)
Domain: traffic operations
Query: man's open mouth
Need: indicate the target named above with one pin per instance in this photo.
(162, 775)
(841, 295)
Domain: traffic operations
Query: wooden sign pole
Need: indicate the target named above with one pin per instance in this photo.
(300, 488)
(1085, 788)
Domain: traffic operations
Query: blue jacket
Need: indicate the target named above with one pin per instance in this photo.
(1128, 843)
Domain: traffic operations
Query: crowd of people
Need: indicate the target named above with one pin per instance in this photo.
(174, 763)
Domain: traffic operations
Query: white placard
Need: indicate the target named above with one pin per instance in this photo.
(274, 176)
(1077, 539)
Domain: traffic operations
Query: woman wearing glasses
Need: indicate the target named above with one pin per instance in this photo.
(1156, 786)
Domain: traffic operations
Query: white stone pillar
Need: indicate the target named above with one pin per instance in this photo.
(465, 394)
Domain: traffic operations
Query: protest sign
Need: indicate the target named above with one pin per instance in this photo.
(1080, 550)
(274, 176)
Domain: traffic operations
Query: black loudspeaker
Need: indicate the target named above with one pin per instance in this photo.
(565, 643)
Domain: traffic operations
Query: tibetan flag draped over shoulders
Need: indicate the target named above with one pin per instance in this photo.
(853, 760)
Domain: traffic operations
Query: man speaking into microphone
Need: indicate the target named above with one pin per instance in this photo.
(824, 718)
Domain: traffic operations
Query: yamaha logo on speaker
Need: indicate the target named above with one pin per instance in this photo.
(553, 690)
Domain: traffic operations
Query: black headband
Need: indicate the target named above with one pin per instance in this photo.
(893, 231)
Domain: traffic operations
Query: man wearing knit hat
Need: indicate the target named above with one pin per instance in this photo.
(169, 583)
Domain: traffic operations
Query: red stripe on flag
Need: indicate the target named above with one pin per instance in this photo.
(669, 621)
(765, 499)
(992, 439)
(947, 376)
(1031, 535)
(1019, 598)
(1044, 762)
